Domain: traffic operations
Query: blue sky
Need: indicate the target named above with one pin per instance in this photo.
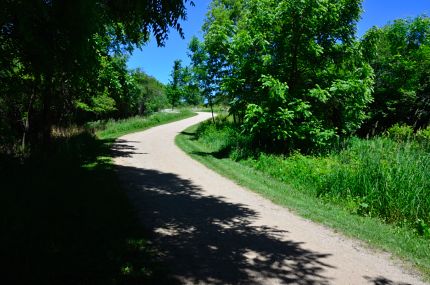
(158, 62)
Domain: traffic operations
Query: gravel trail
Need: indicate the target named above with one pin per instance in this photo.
(210, 230)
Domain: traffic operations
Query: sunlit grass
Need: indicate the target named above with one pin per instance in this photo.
(377, 177)
(342, 190)
(116, 128)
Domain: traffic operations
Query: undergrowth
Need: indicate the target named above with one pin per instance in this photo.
(385, 177)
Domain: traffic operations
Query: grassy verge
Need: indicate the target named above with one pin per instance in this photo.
(64, 218)
(112, 129)
(400, 241)
(217, 109)
(378, 177)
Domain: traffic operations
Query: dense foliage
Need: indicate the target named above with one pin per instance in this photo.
(149, 92)
(400, 56)
(292, 71)
(296, 77)
(58, 58)
(183, 88)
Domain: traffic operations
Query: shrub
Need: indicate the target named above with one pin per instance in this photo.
(400, 132)
(224, 139)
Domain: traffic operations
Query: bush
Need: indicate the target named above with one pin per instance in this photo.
(224, 139)
(405, 133)
(423, 137)
(400, 132)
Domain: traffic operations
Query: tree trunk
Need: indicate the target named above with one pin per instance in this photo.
(27, 120)
(212, 109)
(46, 114)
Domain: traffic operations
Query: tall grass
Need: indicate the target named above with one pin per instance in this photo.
(386, 177)
(377, 177)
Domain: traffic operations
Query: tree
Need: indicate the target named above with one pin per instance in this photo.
(111, 94)
(205, 72)
(184, 86)
(191, 94)
(400, 56)
(151, 95)
(50, 49)
(291, 70)
(173, 89)
(199, 68)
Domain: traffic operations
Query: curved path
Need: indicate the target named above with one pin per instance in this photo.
(209, 230)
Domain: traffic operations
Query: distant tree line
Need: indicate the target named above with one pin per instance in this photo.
(61, 62)
(123, 93)
(295, 75)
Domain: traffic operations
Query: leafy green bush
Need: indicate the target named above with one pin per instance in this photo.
(423, 137)
(400, 132)
(405, 133)
(224, 139)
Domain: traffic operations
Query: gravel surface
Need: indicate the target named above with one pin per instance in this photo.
(210, 230)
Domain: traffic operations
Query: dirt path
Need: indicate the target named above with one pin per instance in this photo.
(212, 231)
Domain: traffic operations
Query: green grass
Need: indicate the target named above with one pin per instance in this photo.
(384, 177)
(289, 188)
(217, 109)
(64, 218)
(377, 177)
(113, 129)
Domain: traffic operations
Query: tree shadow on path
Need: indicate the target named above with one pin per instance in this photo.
(381, 280)
(205, 239)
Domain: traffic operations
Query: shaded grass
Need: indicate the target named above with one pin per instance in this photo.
(64, 223)
(64, 218)
(400, 241)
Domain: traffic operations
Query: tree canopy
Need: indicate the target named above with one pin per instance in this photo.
(56, 55)
(400, 56)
